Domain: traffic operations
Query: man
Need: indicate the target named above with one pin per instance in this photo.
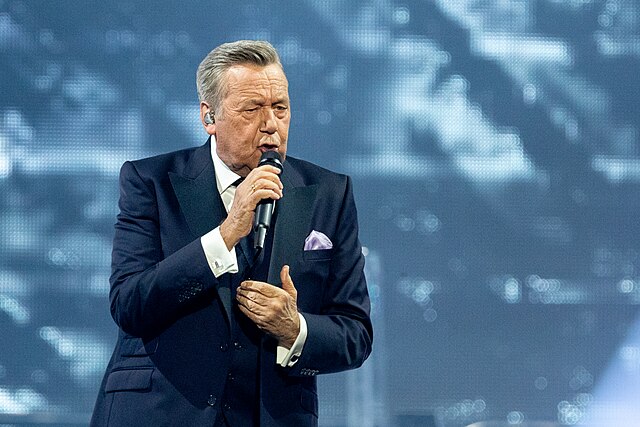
(208, 334)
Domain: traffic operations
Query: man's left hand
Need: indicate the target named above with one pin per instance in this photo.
(274, 310)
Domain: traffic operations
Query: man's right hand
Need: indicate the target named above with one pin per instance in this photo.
(261, 183)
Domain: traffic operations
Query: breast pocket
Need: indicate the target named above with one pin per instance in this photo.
(317, 255)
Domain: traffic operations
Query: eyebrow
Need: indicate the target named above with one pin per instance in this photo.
(255, 101)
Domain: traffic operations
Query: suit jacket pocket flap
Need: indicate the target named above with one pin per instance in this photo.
(129, 379)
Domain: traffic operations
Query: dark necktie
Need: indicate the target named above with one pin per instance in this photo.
(246, 243)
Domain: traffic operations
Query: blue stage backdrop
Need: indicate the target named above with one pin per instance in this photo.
(494, 146)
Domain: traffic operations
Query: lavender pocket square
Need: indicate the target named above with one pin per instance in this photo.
(317, 240)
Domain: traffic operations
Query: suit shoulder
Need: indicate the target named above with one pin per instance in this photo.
(190, 161)
(311, 173)
(166, 161)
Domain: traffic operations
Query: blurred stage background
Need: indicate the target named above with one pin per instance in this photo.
(494, 148)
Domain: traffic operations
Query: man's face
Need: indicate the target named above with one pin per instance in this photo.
(255, 116)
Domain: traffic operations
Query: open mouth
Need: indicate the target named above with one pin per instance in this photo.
(268, 147)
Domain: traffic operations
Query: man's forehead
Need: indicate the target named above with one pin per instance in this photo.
(255, 74)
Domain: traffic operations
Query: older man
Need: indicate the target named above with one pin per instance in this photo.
(209, 333)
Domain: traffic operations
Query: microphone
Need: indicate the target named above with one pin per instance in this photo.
(264, 210)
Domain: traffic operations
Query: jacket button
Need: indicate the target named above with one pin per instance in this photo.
(211, 401)
(224, 347)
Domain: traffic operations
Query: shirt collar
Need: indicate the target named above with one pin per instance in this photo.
(224, 176)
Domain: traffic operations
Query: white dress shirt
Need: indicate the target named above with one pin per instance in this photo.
(221, 260)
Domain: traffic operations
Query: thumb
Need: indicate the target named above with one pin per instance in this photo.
(287, 283)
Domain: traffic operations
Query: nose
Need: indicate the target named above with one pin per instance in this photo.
(269, 124)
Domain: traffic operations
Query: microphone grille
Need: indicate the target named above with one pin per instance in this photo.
(271, 158)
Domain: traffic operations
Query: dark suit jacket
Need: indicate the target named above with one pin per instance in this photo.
(170, 363)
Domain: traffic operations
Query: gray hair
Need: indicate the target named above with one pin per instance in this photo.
(210, 77)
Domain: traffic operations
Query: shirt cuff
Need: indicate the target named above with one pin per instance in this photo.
(288, 357)
(220, 259)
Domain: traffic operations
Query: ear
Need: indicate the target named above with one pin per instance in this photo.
(210, 128)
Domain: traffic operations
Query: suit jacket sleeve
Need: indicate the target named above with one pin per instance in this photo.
(340, 335)
(149, 289)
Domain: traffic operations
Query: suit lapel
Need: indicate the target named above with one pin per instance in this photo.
(201, 204)
(292, 223)
(197, 193)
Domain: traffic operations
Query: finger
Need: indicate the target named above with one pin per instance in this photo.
(255, 319)
(260, 180)
(257, 287)
(269, 168)
(257, 297)
(250, 306)
(257, 314)
(267, 183)
(250, 285)
(265, 171)
(242, 300)
(266, 174)
(258, 195)
(287, 282)
(262, 189)
(266, 193)
(246, 298)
